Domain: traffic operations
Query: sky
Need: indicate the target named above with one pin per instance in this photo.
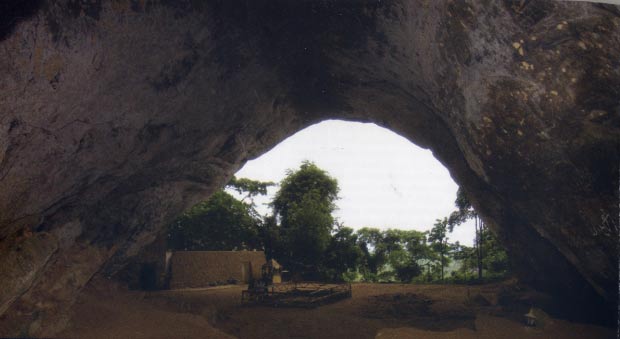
(385, 180)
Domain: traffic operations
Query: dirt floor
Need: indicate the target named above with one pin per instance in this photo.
(375, 311)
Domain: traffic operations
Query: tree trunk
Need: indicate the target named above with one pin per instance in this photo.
(478, 223)
(442, 260)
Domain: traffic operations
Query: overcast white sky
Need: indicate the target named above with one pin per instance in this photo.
(385, 180)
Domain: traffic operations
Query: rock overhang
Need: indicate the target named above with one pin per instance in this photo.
(117, 115)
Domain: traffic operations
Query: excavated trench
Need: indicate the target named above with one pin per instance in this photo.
(116, 115)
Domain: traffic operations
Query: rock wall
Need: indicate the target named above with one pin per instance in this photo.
(115, 115)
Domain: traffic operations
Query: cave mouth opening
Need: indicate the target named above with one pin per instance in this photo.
(385, 180)
(398, 62)
(394, 201)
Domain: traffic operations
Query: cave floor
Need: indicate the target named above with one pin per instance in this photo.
(104, 310)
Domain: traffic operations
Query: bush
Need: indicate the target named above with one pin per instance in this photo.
(370, 277)
(407, 272)
(350, 276)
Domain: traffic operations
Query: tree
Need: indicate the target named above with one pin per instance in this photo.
(466, 211)
(343, 253)
(405, 250)
(269, 232)
(489, 255)
(303, 206)
(308, 179)
(392, 253)
(308, 231)
(250, 188)
(371, 243)
(420, 252)
(439, 242)
(220, 223)
(495, 260)
(407, 271)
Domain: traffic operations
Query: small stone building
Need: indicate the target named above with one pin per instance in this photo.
(191, 269)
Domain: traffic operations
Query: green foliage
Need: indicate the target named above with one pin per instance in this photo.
(438, 232)
(303, 235)
(249, 187)
(297, 185)
(370, 277)
(462, 201)
(487, 255)
(343, 254)
(370, 242)
(303, 205)
(439, 242)
(270, 234)
(391, 255)
(350, 276)
(464, 212)
(308, 231)
(408, 270)
(220, 223)
(495, 260)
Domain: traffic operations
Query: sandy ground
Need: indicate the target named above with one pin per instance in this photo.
(105, 311)
(375, 311)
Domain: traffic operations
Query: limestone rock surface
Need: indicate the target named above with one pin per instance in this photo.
(115, 115)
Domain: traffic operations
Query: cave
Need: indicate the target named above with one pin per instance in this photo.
(117, 115)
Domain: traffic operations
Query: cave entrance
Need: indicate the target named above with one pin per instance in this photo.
(385, 180)
(394, 209)
(388, 187)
